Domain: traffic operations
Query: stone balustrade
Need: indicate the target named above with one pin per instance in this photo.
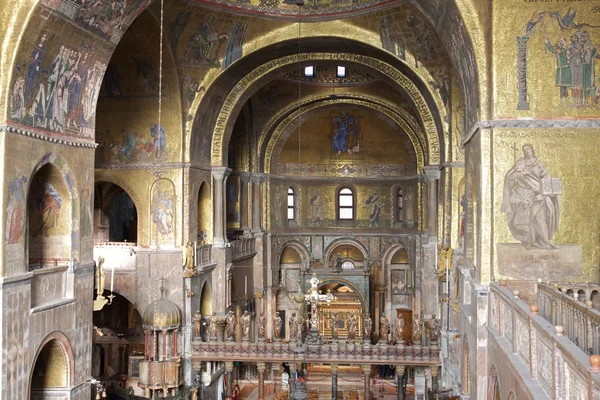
(581, 322)
(243, 248)
(552, 359)
(336, 352)
(204, 256)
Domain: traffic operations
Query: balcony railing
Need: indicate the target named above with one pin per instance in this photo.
(581, 323)
(204, 255)
(560, 366)
(342, 352)
(243, 248)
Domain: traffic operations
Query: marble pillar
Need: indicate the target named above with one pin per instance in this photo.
(433, 176)
(220, 175)
(261, 367)
(434, 379)
(229, 372)
(366, 369)
(292, 378)
(244, 203)
(400, 381)
(334, 381)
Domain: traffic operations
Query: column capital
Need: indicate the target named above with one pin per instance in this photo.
(259, 294)
(432, 172)
(228, 366)
(334, 368)
(434, 371)
(366, 369)
(220, 172)
(261, 367)
(400, 370)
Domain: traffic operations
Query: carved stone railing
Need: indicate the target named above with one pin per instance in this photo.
(581, 323)
(341, 352)
(48, 285)
(562, 369)
(243, 248)
(204, 256)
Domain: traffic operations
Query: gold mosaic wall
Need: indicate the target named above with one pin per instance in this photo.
(567, 155)
(375, 205)
(545, 58)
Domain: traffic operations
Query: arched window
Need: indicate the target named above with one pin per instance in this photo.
(291, 205)
(345, 204)
(399, 205)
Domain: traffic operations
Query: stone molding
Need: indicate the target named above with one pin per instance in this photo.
(530, 123)
(48, 138)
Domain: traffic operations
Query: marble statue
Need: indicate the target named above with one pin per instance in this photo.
(417, 333)
(384, 327)
(531, 201)
(399, 331)
(246, 319)
(352, 323)
(432, 328)
(197, 324)
(188, 261)
(293, 323)
(262, 322)
(367, 327)
(231, 322)
(277, 322)
(212, 329)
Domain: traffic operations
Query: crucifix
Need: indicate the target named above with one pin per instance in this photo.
(314, 297)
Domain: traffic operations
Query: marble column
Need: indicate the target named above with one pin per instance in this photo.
(229, 372)
(334, 381)
(256, 187)
(220, 175)
(433, 176)
(366, 369)
(261, 367)
(400, 381)
(434, 379)
(292, 378)
(245, 207)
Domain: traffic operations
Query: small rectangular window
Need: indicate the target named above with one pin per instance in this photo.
(309, 71)
(341, 71)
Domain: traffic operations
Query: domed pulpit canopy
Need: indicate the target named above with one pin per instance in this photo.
(162, 314)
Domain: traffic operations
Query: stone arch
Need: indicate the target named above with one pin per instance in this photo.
(300, 248)
(206, 299)
(52, 170)
(511, 396)
(204, 213)
(328, 253)
(109, 208)
(247, 86)
(55, 349)
(492, 383)
(360, 293)
(275, 128)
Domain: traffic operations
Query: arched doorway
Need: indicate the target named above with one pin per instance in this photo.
(118, 344)
(115, 214)
(204, 214)
(49, 215)
(347, 305)
(51, 374)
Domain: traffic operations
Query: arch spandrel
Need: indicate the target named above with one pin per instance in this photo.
(278, 131)
(248, 85)
(278, 117)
